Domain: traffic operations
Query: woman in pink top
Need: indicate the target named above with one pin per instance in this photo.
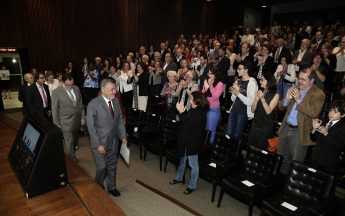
(213, 89)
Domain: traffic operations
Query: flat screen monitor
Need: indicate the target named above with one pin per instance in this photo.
(28, 141)
(30, 138)
(37, 155)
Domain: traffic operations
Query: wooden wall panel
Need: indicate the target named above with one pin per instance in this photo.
(59, 31)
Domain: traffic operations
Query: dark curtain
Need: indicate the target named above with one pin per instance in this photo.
(56, 32)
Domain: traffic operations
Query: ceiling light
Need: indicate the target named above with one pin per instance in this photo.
(263, 6)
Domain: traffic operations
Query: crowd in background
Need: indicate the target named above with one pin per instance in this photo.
(247, 72)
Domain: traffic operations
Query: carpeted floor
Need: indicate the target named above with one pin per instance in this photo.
(135, 200)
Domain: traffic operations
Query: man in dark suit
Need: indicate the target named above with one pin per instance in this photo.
(279, 51)
(329, 138)
(106, 126)
(167, 66)
(163, 51)
(38, 96)
(317, 42)
(178, 57)
(202, 70)
(244, 55)
(29, 80)
(303, 57)
(223, 64)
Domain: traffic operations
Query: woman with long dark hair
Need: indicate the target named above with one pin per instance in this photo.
(190, 138)
(213, 89)
(140, 87)
(264, 107)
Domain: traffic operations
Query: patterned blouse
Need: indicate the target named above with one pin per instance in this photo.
(170, 99)
(92, 80)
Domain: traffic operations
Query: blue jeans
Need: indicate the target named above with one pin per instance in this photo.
(283, 87)
(213, 116)
(236, 124)
(193, 163)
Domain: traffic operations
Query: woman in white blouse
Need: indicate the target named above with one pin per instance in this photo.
(51, 82)
(126, 88)
(285, 75)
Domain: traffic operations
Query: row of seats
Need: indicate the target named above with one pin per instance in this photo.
(245, 172)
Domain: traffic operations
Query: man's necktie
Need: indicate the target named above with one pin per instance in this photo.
(111, 109)
(71, 96)
(330, 125)
(45, 102)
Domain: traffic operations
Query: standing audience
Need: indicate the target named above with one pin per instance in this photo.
(264, 109)
(191, 138)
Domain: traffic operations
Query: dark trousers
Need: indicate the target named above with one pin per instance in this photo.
(127, 98)
(236, 124)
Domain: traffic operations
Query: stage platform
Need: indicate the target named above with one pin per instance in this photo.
(82, 196)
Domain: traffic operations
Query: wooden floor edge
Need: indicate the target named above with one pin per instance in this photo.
(190, 210)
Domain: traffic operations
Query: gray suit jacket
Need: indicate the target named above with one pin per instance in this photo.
(102, 128)
(64, 112)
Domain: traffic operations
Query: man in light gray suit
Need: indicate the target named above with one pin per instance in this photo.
(106, 126)
(68, 112)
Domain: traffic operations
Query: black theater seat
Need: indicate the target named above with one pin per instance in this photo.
(306, 192)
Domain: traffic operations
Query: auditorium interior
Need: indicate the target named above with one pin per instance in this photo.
(55, 38)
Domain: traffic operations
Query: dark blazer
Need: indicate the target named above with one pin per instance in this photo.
(191, 133)
(306, 61)
(284, 52)
(327, 149)
(248, 58)
(163, 55)
(22, 93)
(223, 67)
(269, 66)
(203, 76)
(35, 101)
(171, 66)
(143, 82)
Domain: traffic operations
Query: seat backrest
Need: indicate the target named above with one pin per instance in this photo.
(260, 165)
(170, 129)
(151, 120)
(224, 148)
(133, 115)
(341, 170)
(306, 184)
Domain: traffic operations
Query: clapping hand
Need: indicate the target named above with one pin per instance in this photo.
(323, 130)
(235, 89)
(206, 85)
(180, 107)
(260, 94)
(295, 94)
(129, 74)
(316, 123)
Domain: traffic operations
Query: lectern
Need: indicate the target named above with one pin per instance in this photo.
(37, 156)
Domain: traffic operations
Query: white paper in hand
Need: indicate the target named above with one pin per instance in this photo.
(125, 152)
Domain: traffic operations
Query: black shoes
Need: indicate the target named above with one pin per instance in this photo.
(188, 191)
(174, 182)
(115, 193)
